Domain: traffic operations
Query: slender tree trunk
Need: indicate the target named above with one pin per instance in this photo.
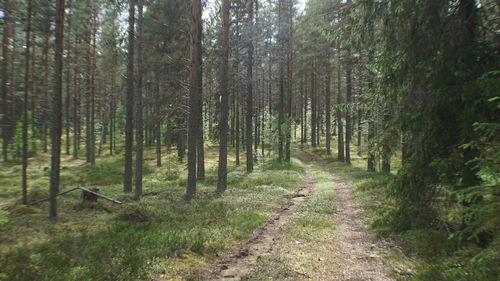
(290, 82)
(200, 145)
(194, 97)
(328, 107)
(237, 94)
(263, 114)
(157, 123)
(56, 109)
(257, 90)
(12, 124)
(386, 150)
(348, 121)
(139, 130)
(129, 100)
(237, 130)
(302, 110)
(249, 96)
(371, 123)
(45, 105)
(371, 153)
(34, 91)
(281, 110)
(67, 104)
(313, 107)
(24, 180)
(76, 103)
(340, 125)
(306, 104)
(224, 108)
(6, 94)
(88, 98)
(93, 87)
(112, 96)
(360, 131)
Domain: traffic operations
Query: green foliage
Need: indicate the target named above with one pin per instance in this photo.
(107, 171)
(3, 217)
(467, 264)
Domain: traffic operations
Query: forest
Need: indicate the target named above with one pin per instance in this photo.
(250, 140)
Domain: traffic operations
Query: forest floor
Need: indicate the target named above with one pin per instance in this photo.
(295, 221)
(318, 234)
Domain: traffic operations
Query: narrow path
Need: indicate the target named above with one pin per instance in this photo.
(283, 249)
(243, 257)
(358, 253)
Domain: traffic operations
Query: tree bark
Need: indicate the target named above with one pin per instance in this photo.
(45, 103)
(139, 128)
(6, 95)
(129, 100)
(340, 125)
(290, 82)
(224, 107)
(314, 113)
(93, 86)
(194, 97)
(328, 108)
(249, 96)
(24, 180)
(348, 121)
(157, 123)
(76, 103)
(67, 102)
(56, 110)
(281, 110)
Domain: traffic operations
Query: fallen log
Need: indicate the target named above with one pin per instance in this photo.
(82, 189)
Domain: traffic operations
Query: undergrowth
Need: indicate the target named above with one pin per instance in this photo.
(432, 252)
(163, 235)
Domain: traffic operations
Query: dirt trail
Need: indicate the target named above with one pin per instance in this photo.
(354, 254)
(358, 253)
(243, 257)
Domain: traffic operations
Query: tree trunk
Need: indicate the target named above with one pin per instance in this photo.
(200, 145)
(340, 125)
(313, 107)
(281, 109)
(224, 108)
(290, 82)
(34, 91)
(24, 180)
(157, 123)
(194, 97)
(249, 96)
(139, 130)
(76, 103)
(237, 129)
(45, 104)
(7, 99)
(67, 103)
(129, 100)
(348, 121)
(93, 88)
(328, 108)
(56, 109)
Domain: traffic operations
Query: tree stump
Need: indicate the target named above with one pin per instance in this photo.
(87, 196)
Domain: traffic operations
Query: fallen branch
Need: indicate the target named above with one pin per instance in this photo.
(80, 188)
